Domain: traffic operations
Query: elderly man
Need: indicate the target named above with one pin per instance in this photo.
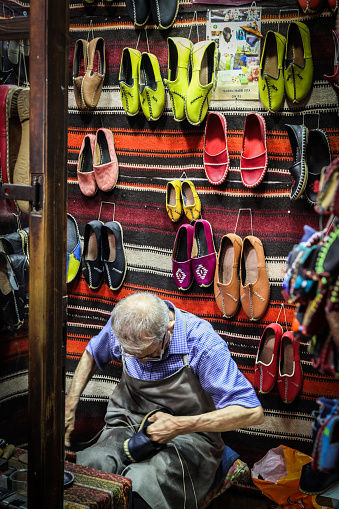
(175, 361)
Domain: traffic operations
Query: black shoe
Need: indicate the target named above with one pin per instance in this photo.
(164, 12)
(140, 446)
(138, 11)
(113, 254)
(298, 140)
(16, 242)
(13, 277)
(314, 482)
(318, 155)
(92, 267)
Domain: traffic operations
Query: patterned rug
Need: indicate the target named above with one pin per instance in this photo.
(149, 155)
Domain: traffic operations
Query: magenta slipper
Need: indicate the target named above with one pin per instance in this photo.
(105, 160)
(253, 159)
(216, 158)
(181, 257)
(85, 171)
(203, 253)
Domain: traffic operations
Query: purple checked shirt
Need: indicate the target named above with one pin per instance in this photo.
(208, 357)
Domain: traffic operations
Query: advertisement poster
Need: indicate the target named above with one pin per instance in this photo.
(237, 34)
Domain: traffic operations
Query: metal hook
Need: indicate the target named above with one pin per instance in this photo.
(138, 39)
(109, 203)
(236, 225)
(195, 17)
(91, 29)
(183, 176)
(281, 10)
(282, 307)
(318, 113)
(18, 222)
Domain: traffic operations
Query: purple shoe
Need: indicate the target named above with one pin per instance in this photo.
(203, 253)
(181, 257)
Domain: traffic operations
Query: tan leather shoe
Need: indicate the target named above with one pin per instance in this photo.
(226, 281)
(21, 169)
(254, 283)
(95, 74)
(79, 70)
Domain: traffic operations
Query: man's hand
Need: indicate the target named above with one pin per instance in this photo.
(165, 427)
(69, 425)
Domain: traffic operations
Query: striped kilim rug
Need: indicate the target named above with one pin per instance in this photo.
(152, 153)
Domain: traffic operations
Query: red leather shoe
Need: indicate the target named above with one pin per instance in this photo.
(216, 158)
(10, 130)
(253, 160)
(333, 5)
(266, 363)
(310, 6)
(334, 79)
(290, 374)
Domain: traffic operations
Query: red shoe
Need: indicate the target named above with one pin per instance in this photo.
(216, 158)
(266, 364)
(290, 375)
(310, 6)
(253, 161)
(85, 170)
(105, 162)
(333, 5)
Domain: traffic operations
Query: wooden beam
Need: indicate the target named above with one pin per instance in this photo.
(49, 36)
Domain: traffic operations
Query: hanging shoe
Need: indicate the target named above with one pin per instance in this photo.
(190, 200)
(253, 159)
(73, 249)
(310, 6)
(85, 170)
(179, 53)
(21, 173)
(138, 11)
(181, 257)
(113, 254)
(290, 376)
(203, 253)
(266, 363)
(93, 80)
(79, 70)
(10, 130)
(271, 73)
(328, 195)
(13, 288)
(151, 88)
(105, 161)
(92, 266)
(173, 200)
(254, 283)
(318, 155)
(334, 78)
(164, 12)
(216, 157)
(298, 73)
(333, 5)
(200, 88)
(332, 311)
(226, 280)
(129, 80)
(298, 135)
(328, 261)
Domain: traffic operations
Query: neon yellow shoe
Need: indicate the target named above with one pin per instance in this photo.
(151, 87)
(298, 62)
(173, 200)
(128, 80)
(200, 88)
(271, 75)
(191, 201)
(179, 52)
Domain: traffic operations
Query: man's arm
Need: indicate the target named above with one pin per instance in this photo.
(82, 375)
(165, 427)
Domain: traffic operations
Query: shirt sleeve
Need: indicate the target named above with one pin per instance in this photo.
(103, 347)
(218, 373)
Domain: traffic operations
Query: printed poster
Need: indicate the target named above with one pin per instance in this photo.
(237, 33)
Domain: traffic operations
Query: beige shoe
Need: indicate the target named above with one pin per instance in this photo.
(79, 70)
(21, 173)
(93, 80)
(13, 128)
(226, 281)
(254, 283)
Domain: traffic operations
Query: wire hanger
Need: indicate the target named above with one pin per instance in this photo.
(109, 203)
(236, 225)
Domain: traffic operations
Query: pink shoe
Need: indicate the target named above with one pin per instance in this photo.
(181, 257)
(253, 161)
(290, 377)
(105, 160)
(216, 158)
(204, 257)
(85, 171)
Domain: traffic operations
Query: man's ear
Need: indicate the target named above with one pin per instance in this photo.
(171, 325)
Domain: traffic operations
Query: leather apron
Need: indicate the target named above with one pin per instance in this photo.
(182, 473)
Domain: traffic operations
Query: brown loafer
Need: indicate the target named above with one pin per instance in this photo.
(226, 281)
(79, 70)
(95, 74)
(254, 283)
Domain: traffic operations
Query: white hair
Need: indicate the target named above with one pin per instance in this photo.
(139, 320)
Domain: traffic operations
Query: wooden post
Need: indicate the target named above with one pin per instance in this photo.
(49, 36)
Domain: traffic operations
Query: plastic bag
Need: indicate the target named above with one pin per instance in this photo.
(277, 475)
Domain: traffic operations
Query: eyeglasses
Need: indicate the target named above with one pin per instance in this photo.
(149, 357)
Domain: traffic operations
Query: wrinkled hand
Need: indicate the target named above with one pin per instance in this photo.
(69, 426)
(165, 427)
